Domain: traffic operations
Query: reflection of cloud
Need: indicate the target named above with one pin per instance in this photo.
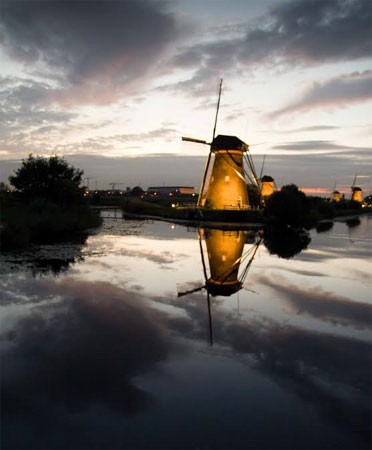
(306, 273)
(321, 304)
(79, 353)
(331, 372)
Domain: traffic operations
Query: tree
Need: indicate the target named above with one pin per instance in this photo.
(288, 206)
(51, 178)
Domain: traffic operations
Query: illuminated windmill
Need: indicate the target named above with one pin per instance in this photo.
(228, 266)
(224, 183)
(356, 192)
(267, 185)
(336, 195)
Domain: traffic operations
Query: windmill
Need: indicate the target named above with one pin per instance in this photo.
(226, 258)
(113, 185)
(267, 185)
(336, 195)
(224, 183)
(356, 192)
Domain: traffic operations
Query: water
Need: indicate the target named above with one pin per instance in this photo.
(128, 341)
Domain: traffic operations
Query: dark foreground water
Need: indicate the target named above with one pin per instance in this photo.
(157, 336)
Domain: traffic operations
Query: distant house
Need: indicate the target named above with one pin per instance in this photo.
(170, 190)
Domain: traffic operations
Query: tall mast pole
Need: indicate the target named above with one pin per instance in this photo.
(218, 107)
(201, 191)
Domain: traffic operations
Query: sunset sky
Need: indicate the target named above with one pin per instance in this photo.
(113, 85)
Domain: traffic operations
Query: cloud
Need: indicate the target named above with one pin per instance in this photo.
(295, 32)
(25, 103)
(93, 50)
(312, 146)
(336, 92)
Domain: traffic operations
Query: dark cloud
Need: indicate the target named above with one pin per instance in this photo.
(313, 31)
(295, 32)
(96, 48)
(310, 146)
(336, 92)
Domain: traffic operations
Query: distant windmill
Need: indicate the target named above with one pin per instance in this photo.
(336, 195)
(113, 185)
(356, 192)
(224, 183)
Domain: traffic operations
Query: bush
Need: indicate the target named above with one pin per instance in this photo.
(48, 205)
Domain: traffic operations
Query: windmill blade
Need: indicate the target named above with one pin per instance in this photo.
(190, 291)
(198, 141)
(201, 191)
(250, 290)
(354, 181)
(262, 167)
(218, 107)
(210, 319)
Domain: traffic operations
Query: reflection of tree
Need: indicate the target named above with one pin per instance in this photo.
(47, 259)
(354, 222)
(285, 241)
(324, 226)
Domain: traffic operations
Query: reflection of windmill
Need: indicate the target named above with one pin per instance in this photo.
(356, 192)
(225, 257)
(224, 183)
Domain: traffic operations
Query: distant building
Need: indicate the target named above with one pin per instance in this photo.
(171, 190)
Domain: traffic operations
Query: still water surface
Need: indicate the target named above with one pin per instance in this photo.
(151, 335)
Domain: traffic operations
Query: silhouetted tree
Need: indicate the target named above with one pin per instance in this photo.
(288, 206)
(51, 178)
(137, 191)
(49, 206)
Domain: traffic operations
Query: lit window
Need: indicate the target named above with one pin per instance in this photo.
(227, 178)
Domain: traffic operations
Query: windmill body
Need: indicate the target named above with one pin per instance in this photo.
(267, 188)
(226, 185)
(357, 194)
(336, 196)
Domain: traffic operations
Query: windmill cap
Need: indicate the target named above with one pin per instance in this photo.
(223, 142)
(355, 188)
(223, 289)
(267, 178)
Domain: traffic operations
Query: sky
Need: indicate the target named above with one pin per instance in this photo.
(112, 86)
